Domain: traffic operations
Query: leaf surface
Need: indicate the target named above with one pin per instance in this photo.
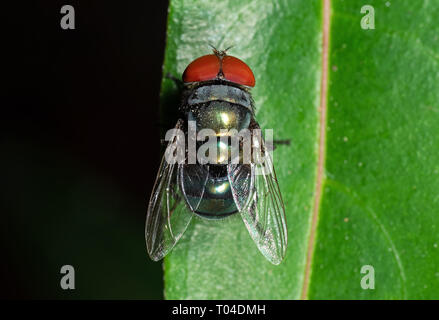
(379, 199)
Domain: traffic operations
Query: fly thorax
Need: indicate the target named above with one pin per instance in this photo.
(223, 122)
(220, 116)
(220, 92)
(223, 110)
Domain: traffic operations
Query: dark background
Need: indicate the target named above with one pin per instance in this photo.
(79, 147)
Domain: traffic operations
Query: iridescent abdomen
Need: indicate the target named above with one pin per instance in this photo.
(217, 107)
(217, 200)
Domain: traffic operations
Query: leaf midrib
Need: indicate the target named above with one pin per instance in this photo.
(321, 145)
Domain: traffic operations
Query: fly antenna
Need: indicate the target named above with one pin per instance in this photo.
(220, 53)
(230, 47)
(215, 50)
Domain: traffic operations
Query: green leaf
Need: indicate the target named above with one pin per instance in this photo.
(382, 155)
(375, 199)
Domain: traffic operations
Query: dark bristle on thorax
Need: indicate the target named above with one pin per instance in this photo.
(190, 88)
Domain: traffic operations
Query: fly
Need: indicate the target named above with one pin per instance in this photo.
(216, 96)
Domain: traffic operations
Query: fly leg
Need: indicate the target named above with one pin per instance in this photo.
(284, 142)
(277, 143)
(178, 82)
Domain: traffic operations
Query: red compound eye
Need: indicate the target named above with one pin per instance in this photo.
(202, 69)
(237, 71)
(208, 67)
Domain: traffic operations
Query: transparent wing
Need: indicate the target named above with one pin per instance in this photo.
(193, 180)
(241, 181)
(168, 216)
(258, 198)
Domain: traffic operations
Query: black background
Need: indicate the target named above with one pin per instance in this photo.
(79, 147)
